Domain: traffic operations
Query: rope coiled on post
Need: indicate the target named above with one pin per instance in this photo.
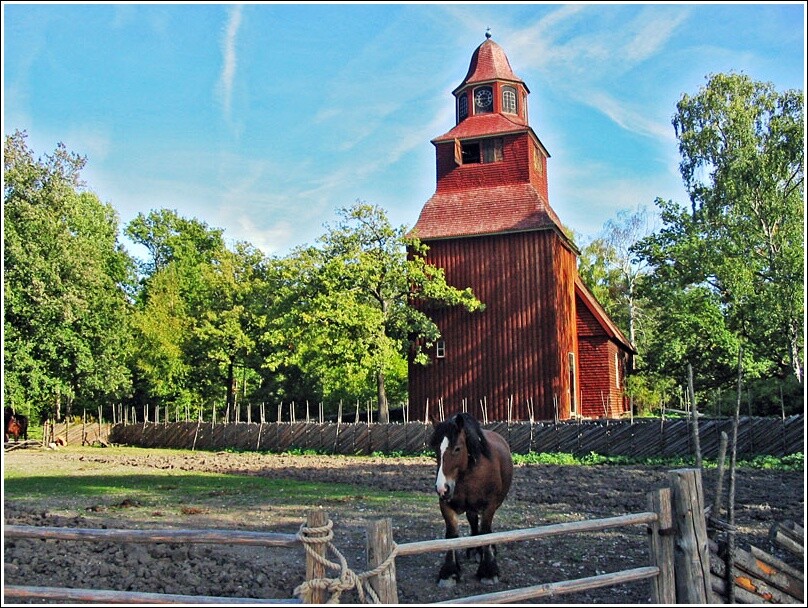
(347, 579)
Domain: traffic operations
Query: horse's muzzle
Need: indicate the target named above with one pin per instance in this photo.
(446, 492)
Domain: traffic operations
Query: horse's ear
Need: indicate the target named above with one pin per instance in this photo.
(434, 420)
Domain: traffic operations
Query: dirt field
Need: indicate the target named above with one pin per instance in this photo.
(541, 494)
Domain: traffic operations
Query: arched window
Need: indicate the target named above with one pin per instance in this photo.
(462, 107)
(509, 100)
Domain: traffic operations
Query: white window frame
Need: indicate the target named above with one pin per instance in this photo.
(509, 103)
(573, 383)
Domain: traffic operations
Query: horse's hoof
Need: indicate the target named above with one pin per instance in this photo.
(447, 583)
(489, 581)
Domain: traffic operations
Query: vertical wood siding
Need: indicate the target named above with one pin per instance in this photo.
(601, 393)
(516, 350)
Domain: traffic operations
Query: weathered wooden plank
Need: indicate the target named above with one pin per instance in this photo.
(559, 588)
(692, 554)
(661, 546)
(379, 547)
(776, 563)
(61, 594)
(236, 537)
(465, 542)
(788, 536)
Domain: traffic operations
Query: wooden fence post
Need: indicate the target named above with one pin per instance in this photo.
(691, 549)
(660, 538)
(379, 547)
(314, 568)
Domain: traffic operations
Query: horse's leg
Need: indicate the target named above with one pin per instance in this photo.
(474, 524)
(449, 574)
(488, 572)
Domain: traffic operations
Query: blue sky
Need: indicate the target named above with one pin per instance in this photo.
(264, 119)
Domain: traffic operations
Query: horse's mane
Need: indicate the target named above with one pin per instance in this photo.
(476, 443)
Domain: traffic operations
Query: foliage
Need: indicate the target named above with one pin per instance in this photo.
(345, 315)
(66, 282)
(612, 272)
(791, 462)
(199, 323)
(730, 268)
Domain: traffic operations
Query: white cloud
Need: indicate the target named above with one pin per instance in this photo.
(229, 59)
(587, 63)
(629, 118)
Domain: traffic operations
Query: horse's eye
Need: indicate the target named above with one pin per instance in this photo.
(457, 449)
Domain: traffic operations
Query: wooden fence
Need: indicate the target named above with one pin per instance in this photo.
(677, 546)
(637, 438)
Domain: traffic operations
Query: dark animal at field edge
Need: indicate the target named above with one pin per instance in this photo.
(15, 425)
(474, 473)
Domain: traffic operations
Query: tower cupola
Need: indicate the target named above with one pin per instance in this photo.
(490, 86)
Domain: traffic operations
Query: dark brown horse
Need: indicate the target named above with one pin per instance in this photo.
(16, 425)
(474, 475)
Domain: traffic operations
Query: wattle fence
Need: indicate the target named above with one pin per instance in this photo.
(637, 438)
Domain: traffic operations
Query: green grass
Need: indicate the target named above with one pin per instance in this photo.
(73, 487)
(792, 462)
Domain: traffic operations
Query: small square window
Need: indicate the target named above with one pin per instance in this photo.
(440, 349)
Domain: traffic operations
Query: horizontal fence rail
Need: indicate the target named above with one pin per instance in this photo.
(638, 438)
(560, 588)
(61, 594)
(199, 536)
(510, 536)
(233, 537)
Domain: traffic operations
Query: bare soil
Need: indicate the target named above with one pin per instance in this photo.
(541, 494)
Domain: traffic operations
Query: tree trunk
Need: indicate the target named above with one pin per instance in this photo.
(794, 351)
(231, 392)
(384, 410)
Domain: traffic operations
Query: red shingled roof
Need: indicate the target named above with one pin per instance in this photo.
(489, 62)
(485, 210)
(592, 304)
(485, 124)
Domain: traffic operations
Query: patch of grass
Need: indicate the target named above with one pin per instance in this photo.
(89, 486)
(792, 462)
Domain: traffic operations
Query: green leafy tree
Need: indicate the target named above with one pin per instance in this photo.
(348, 316)
(612, 271)
(173, 306)
(229, 316)
(66, 280)
(739, 248)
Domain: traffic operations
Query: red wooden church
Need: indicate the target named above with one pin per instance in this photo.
(543, 348)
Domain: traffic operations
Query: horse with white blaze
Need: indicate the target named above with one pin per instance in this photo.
(474, 475)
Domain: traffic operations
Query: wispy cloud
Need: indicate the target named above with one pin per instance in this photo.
(229, 59)
(588, 63)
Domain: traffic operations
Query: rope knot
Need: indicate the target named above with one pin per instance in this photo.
(347, 579)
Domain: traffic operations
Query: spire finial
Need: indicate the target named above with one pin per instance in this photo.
(488, 32)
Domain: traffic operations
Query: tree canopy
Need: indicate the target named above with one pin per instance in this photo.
(66, 280)
(742, 238)
(203, 324)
